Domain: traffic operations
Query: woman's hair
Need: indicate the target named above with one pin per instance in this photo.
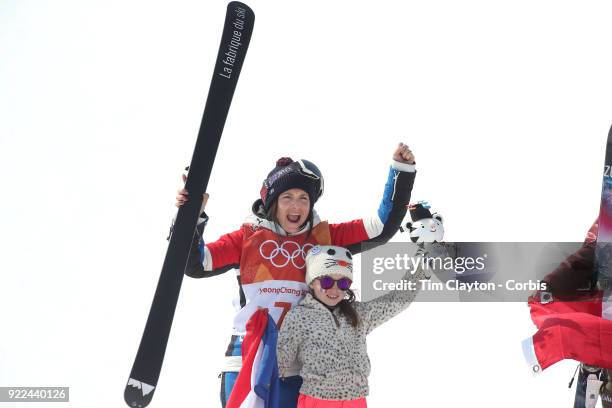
(271, 216)
(347, 309)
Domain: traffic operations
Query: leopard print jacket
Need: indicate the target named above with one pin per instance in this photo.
(333, 354)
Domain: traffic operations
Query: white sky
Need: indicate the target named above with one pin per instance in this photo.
(505, 104)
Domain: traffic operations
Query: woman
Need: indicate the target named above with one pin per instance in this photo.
(269, 249)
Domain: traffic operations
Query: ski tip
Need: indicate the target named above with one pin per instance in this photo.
(237, 4)
(138, 394)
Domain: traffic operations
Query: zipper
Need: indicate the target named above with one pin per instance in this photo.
(394, 184)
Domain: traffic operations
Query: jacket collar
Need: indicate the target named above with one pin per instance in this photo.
(311, 302)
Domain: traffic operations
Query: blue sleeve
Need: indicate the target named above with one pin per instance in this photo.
(386, 204)
(392, 208)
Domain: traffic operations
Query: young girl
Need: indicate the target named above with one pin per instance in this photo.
(326, 332)
(268, 251)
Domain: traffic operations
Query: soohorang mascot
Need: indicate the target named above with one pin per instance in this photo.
(426, 230)
(425, 226)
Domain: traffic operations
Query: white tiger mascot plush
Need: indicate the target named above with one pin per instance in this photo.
(425, 226)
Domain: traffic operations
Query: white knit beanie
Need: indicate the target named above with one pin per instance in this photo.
(325, 260)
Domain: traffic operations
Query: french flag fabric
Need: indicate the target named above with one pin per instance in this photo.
(257, 383)
(569, 330)
(578, 328)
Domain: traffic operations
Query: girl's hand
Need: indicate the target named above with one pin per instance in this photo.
(403, 154)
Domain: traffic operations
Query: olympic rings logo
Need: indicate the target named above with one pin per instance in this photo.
(288, 251)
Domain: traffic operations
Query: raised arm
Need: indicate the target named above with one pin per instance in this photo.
(377, 311)
(378, 229)
(214, 258)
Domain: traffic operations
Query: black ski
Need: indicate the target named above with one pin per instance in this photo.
(147, 365)
(591, 378)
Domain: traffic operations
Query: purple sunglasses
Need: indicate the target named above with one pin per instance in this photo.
(327, 282)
